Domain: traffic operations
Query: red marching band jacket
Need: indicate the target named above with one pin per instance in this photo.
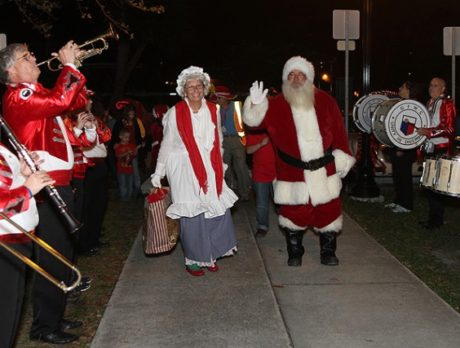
(15, 200)
(443, 111)
(97, 150)
(32, 111)
(78, 139)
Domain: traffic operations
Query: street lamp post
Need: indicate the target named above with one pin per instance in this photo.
(366, 187)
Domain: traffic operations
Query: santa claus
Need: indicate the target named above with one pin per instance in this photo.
(307, 130)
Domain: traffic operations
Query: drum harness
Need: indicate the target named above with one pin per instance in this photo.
(310, 165)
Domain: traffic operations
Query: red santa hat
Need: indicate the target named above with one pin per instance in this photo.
(224, 92)
(301, 64)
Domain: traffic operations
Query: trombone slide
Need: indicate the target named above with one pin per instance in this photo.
(59, 283)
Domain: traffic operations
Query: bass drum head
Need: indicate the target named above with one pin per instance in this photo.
(363, 110)
(395, 123)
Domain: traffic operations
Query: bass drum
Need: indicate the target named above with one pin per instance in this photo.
(363, 110)
(395, 121)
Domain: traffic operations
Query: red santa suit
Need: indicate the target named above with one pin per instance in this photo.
(308, 198)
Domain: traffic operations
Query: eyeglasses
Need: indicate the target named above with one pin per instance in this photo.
(28, 56)
(194, 88)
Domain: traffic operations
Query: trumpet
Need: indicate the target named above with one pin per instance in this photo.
(59, 283)
(88, 52)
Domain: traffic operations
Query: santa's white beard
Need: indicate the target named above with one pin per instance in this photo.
(302, 97)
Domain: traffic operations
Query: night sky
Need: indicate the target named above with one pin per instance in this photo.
(238, 42)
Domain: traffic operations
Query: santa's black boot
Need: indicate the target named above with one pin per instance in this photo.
(294, 247)
(328, 245)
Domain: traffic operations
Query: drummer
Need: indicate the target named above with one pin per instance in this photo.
(440, 142)
(402, 159)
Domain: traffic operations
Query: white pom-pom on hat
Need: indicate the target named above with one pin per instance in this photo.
(301, 64)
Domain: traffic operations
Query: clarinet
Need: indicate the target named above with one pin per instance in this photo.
(72, 223)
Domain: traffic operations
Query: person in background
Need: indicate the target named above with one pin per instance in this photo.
(34, 114)
(237, 173)
(18, 185)
(125, 152)
(191, 158)
(156, 131)
(306, 129)
(95, 184)
(402, 160)
(263, 174)
(440, 141)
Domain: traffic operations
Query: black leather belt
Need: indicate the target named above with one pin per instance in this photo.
(310, 165)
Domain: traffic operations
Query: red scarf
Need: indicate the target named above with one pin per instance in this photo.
(184, 126)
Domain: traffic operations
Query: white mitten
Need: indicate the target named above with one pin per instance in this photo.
(156, 180)
(257, 92)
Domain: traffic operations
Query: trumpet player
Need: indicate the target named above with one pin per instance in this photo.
(17, 189)
(33, 112)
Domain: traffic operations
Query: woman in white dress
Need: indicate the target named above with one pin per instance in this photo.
(191, 158)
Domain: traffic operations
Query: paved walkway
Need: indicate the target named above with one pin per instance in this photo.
(256, 300)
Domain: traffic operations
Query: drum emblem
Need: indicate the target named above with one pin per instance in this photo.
(408, 125)
(395, 123)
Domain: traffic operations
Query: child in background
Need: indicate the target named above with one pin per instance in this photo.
(125, 152)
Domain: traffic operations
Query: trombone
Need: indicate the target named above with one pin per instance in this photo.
(59, 283)
(91, 51)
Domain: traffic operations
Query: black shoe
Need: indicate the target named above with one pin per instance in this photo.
(86, 280)
(329, 260)
(261, 233)
(56, 337)
(81, 287)
(328, 246)
(295, 261)
(70, 324)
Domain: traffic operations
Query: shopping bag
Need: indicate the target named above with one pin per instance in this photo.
(160, 233)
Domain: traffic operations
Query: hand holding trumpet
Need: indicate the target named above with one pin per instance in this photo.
(69, 53)
(85, 120)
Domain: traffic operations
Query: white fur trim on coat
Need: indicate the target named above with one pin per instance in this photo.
(285, 222)
(320, 189)
(334, 226)
(343, 162)
(253, 115)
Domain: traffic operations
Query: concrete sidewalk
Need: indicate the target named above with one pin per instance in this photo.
(256, 300)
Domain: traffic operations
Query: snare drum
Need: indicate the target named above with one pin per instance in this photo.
(363, 110)
(447, 180)
(429, 173)
(395, 121)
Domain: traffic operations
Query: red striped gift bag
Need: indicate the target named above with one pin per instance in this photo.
(160, 233)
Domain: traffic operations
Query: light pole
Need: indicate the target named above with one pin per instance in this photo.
(365, 187)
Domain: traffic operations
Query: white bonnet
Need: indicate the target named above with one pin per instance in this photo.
(192, 72)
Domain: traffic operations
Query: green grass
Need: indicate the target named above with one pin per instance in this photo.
(433, 256)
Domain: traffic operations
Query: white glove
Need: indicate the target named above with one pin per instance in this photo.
(156, 180)
(257, 92)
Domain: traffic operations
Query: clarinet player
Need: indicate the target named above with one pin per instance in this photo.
(32, 111)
